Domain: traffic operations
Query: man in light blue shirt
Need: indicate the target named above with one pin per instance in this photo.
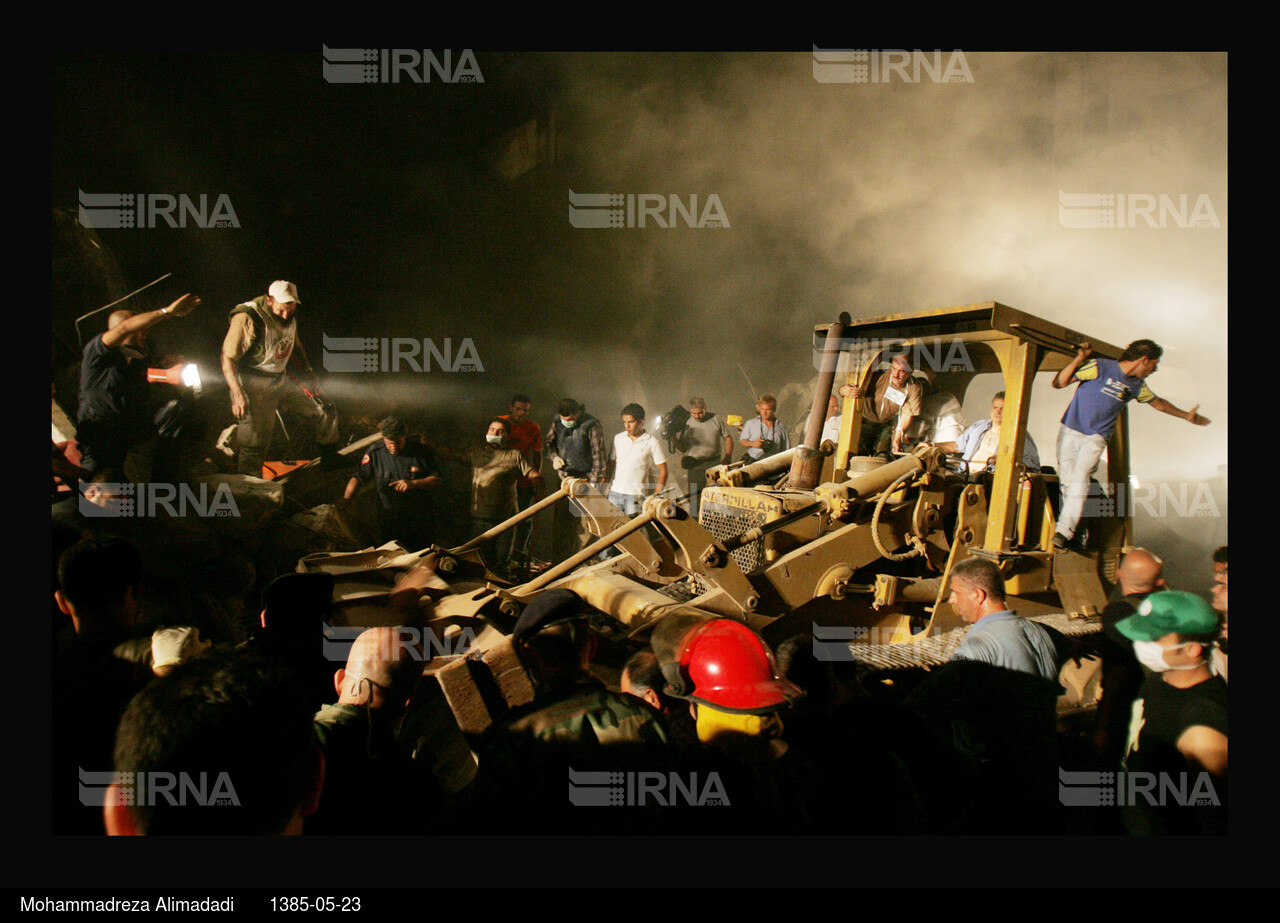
(998, 636)
(765, 435)
(977, 444)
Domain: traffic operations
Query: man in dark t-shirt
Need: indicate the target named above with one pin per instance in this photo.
(114, 414)
(1176, 759)
(405, 473)
(1138, 576)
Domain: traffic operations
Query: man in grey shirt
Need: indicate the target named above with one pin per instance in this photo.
(997, 636)
(706, 442)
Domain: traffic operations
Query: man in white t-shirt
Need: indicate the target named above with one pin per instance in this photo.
(637, 464)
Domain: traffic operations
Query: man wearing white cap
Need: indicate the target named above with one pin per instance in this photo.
(255, 355)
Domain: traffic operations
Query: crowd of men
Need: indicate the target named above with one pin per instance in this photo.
(279, 734)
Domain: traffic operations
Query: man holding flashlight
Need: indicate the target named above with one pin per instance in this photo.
(115, 412)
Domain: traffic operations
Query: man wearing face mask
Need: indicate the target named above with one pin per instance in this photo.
(1178, 729)
(114, 414)
(495, 472)
(574, 442)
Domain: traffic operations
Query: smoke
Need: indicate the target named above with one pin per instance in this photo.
(382, 203)
(879, 198)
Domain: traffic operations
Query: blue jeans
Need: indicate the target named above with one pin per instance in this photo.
(1078, 457)
(630, 504)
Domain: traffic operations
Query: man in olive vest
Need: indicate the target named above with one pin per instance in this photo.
(255, 356)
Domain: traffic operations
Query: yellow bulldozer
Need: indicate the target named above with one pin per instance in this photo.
(856, 550)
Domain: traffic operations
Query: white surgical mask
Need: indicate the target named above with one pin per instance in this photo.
(493, 440)
(1151, 655)
(568, 424)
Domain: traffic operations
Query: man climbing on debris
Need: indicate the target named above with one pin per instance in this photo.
(256, 353)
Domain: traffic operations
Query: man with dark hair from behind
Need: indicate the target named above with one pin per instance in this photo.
(1004, 722)
(98, 584)
(850, 756)
(294, 610)
(574, 723)
(229, 726)
(642, 678)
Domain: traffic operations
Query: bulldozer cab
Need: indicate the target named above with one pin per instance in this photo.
(1011, 509)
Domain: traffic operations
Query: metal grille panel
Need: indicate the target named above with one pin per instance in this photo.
(725, 522)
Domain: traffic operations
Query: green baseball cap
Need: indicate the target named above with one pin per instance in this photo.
(1167, 612)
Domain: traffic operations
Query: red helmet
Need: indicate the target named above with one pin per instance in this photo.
(726, 665)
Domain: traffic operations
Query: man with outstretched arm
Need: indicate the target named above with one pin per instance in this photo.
(1104, 386)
